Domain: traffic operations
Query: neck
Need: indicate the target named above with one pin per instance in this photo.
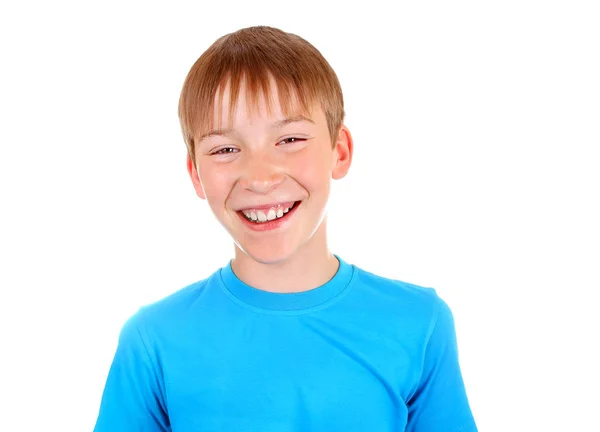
(311, 266)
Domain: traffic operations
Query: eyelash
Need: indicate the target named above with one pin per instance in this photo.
(223, 152)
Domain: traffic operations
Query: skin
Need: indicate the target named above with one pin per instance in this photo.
(260, 161)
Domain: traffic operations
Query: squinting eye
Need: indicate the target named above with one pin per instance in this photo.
(291, 140)
(224, 150)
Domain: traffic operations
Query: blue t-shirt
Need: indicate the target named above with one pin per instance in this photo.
(359, 353)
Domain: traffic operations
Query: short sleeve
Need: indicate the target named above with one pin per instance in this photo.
(439, 403)
(132, 399)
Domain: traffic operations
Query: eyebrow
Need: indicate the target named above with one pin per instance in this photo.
(215, 132)
(276, 125)
(294, 119)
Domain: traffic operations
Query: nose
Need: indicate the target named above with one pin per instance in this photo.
(261, 176)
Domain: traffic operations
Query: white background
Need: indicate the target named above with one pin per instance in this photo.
(477, 130)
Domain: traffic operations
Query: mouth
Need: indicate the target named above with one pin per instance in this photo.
(265, 219)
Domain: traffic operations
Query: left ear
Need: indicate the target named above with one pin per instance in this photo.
(343, 150)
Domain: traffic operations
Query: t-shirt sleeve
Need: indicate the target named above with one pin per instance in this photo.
(439, 403)
(133, 397)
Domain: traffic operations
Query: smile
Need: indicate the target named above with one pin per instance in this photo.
(268, 214)
(268, 218)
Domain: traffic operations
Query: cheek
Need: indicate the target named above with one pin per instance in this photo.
(216, 183)
(314, 168)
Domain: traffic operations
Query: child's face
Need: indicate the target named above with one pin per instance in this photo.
(265, 164)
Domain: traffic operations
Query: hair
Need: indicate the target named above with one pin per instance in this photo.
(255, 57)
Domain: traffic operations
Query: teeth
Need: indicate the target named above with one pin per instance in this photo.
(260, 216)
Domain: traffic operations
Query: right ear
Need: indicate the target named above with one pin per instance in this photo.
(193, 172)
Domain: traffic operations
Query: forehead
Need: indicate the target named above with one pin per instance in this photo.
(245, 100)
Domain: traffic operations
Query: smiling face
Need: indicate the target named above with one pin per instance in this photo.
(266, 175)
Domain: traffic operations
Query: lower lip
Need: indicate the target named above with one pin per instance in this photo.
(270, 225)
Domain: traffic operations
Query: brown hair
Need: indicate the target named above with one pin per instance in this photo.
(254, 56)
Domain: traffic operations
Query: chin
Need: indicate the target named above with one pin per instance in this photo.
(264, 255)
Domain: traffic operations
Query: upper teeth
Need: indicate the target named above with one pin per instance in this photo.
(261, 216)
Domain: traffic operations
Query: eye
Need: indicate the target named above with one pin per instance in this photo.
(291, 140)
(224, 151)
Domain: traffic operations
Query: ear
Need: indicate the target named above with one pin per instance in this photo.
(191, 167)
(343, 150)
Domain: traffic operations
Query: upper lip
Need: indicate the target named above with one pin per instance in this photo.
(267, 206)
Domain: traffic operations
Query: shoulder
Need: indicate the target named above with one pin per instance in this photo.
(179, 300)
(410, 308)
(398, 292)
(170, 312)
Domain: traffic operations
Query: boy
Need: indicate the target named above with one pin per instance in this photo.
(287, 336)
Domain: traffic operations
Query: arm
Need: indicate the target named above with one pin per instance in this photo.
(133, 396)
(439, 403)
